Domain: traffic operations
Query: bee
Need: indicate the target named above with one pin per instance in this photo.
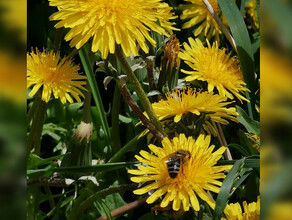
(175, 160)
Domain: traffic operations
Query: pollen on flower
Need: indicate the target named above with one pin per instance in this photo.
(111, 22)
(214, 66)
(46, 71)
(195, 176)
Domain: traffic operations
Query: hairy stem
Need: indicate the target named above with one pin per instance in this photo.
(139, 90)
(138, 112)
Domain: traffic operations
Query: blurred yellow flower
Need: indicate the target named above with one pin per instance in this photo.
(12, 81)
(251, 10)
(213, 65)
(14, 17)
(112, 22)
(55, 76)
(250, 211)
(198, 14)
(195, 176)
(180, 102)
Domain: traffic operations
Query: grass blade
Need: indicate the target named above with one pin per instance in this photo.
(225, 191)
(244, 47)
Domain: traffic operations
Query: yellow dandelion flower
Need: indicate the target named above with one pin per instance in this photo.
(112, 22)
(250, 211)
(198, 14)
(180, 102)
(252, 15)
(60, 77)
(196, 173)
(213, 65)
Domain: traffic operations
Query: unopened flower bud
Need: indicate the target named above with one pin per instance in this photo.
(170, 63)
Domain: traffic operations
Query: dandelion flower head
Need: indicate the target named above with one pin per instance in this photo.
(112, 22)
(250, 211)
(60, 77)
(196, 175)
(180, 102)
(199, 15)
(214, 66)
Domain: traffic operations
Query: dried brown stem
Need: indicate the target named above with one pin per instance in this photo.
(45, 181)
(222, 140)
(138, 112)
(124, 209)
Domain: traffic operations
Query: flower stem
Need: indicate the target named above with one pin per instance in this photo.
(139, 90)
(58, 39)
(150, 69)
(138, 112)
(115, 120)
(117, 157)
(35, 134)
(222, 140)
(221, 25)
(124, 209)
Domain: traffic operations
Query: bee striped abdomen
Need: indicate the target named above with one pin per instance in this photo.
(175, 161)
(173, 168)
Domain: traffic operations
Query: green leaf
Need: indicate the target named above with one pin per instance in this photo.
(101, 205)
(239, 148)
(83, 53)
(35, 161)
(125, 119)
(248, 163)
(246, 143)
(225, 190)
(243, 45)
(251, 125)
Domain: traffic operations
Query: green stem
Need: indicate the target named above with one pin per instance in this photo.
(75, 214)
(35, 134)
(139, 90)
(115, 120)
(125, 149)
(58, 39)
(87, 104)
